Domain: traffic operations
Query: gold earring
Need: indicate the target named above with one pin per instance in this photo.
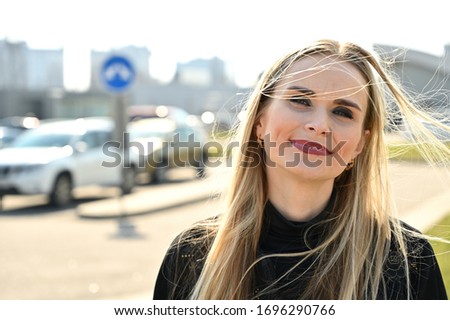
(260, 142)
(350, 165)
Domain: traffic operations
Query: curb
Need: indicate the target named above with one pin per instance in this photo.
(165, 197)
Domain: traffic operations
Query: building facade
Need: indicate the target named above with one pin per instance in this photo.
(425, 77)
(44, 69)
(13, 65)
(28, 69)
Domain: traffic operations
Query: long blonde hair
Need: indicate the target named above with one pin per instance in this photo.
(359, 232)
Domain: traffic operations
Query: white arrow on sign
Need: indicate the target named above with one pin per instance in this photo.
(118, 70)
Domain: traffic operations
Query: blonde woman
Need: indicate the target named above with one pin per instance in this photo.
(308, 212)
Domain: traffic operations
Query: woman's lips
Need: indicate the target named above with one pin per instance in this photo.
(311, 147)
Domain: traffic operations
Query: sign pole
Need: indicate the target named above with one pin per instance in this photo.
(118, 74)
(121, 120)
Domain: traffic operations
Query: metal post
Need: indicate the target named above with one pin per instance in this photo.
(118, 73)
(126, 228)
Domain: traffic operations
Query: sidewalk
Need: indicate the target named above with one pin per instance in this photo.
(164, 197)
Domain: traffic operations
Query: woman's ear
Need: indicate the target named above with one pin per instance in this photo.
(361, 143)
(258, 130)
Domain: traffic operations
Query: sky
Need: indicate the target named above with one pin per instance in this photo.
(247, 34)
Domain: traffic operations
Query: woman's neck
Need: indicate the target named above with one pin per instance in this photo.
(299, 200)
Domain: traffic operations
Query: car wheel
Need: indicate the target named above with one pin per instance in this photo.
(128, 180)
(61, 194)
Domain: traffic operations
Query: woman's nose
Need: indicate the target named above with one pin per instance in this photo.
(318, 125)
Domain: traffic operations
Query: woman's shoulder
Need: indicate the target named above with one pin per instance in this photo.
(184, 260)
(420, 256)
(416, 243)
(423, 269)
(195, 240)
(425, 273)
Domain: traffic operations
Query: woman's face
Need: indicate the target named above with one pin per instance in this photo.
(313, 124)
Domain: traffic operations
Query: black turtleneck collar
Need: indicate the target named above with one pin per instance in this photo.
(281, 235)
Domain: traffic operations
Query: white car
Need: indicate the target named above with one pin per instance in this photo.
(59, 156)
(163, 144)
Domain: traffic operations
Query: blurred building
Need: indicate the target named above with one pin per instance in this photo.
(28, 69)
(44, 69)
(24, 103)
(425, 77)
(26, 76)
(13, 65)
(202, 72)
(31, 82)
(199, 85)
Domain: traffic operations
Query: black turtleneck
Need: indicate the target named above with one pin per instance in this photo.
(280, 236)
(182, 265)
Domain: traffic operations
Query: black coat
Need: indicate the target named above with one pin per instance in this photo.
(183, 263)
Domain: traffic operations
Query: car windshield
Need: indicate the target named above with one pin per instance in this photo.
(42, 140)
(8, 134)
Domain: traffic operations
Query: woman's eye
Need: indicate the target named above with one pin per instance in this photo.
(343, 112)
(300, 100)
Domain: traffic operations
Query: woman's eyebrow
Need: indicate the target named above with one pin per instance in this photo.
(302, 90)
(347, 103)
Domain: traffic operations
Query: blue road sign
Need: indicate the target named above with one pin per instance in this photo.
(117, 73)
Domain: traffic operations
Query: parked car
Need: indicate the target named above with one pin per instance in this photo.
(25, 122)
(138, 112)
(8, 134)
(12, 127)
(59, 156)
(164, 144)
